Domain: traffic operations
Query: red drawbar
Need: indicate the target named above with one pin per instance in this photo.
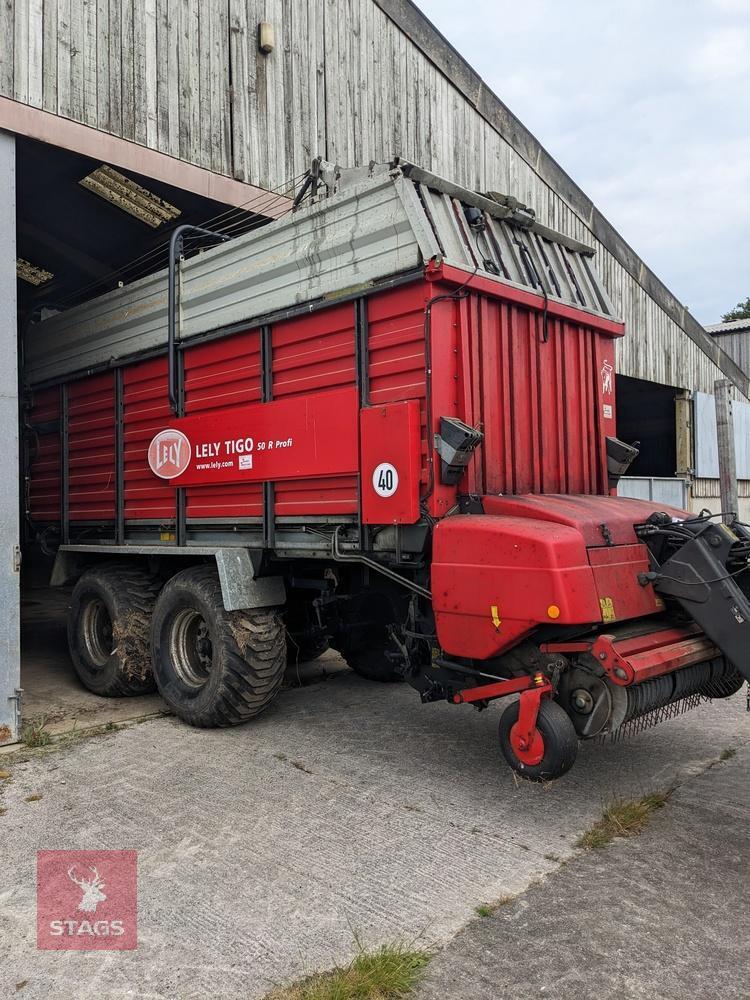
(525, 738)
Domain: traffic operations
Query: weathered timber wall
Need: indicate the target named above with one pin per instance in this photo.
(353, 80)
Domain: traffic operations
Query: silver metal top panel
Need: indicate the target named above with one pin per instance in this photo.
(377, 224)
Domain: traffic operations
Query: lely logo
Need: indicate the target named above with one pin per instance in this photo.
(169, 454)
(74, 912)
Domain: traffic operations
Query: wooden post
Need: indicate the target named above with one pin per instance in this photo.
(727, 456)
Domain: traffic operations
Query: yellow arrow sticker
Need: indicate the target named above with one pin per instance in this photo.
(495, 617)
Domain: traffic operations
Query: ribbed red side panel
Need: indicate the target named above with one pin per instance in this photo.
(91, 448)
(221, 374)
(536, 401)
(397, 368)
(311, 354)
(44, 466)
(146, 412)
(397, 344)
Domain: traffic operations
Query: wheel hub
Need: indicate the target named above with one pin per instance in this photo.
(97, 632)
(190, 647)
(529, 752)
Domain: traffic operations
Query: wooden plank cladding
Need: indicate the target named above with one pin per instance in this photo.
(352, 80)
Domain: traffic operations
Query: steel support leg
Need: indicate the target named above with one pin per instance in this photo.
(10, 557)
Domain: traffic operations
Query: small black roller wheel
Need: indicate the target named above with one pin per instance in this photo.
(109, 629)
(372, 664)
(553, 749)
(214, 667)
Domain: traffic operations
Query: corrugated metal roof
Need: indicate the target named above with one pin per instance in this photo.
(735, 326)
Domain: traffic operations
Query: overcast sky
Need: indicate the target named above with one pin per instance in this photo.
(646, 104)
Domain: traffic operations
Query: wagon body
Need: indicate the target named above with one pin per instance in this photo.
(394, 412)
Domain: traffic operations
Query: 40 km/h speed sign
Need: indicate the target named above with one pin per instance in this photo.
(385, 479)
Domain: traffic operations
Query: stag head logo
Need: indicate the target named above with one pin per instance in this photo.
(91, 889)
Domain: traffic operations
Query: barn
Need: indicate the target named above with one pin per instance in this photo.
(120, 119)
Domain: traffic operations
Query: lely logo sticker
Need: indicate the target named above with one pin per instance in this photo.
(86, 900)
(169, 454)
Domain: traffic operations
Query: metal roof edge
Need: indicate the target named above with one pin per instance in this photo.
(436, 47)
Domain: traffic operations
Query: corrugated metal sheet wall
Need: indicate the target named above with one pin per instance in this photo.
(146, 411)
(312, 355)
(43, 490)
(91, 448)
(218, 375)
(537, 403)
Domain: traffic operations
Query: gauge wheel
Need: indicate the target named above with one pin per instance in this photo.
(553, 748)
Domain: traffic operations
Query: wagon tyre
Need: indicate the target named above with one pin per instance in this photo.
(214, 667)
(109, 629)
(556, 741)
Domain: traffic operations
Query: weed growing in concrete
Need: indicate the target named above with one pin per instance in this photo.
(487, 909)
(34, 734)
(622, 819)
(388, 973)
(727, 753)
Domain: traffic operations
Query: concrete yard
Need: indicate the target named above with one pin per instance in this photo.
(664, 916)
(347, 809)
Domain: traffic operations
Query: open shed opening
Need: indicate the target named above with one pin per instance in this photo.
(82, 228)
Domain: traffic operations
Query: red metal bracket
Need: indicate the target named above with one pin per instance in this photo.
(525, 738)
(635, 659)
(499, 689)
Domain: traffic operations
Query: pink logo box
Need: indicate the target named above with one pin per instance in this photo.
(86, 900)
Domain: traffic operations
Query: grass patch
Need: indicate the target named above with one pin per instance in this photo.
(63, 741)
(34, 734)
(622, 819)
(487, 909)
(388, 973)
(727, 753)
